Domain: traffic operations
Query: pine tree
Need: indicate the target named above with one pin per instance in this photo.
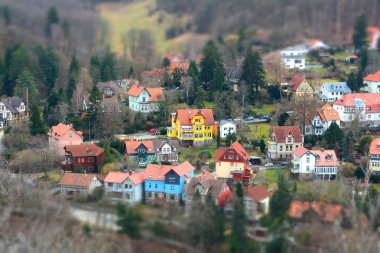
(95, 68)
(281, 198)
(348, 147)
(359, 37)
(7, 15)
(210, 63)
(360, 80)
(352, 82)
(333, 136)
(217, 82)
(239, 241)
(51, 19)
(218, 138)
(26, 79)
(200, 97)
(131, 72)
(36, 125)
(262, 146)
(73, 77)
(128, 221)
(48, 65)
(108, 66)
(363, 59)
(166, 63)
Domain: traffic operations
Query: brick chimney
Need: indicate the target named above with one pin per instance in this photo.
(25, 96)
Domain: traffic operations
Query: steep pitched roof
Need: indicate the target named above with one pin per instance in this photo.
(11, 103)
(258, 193)
(375, 146)
(84, 150)
(373, 77)
(119, 177)
(158, 143)
(296, 82)
(326, 158)
(76, 179)
(131, 146)
(281, 132)
(363, 99)
(336, 87)
(330, 113)
(158, 172)
(60, 130)
(325, 212)
(156, 94)
(135, 90)
(300, 151)
(184, 116)
(235, 146)
(212, 186)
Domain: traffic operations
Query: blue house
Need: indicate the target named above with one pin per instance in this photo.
(332, 91)
(140, 153)
(166, 183)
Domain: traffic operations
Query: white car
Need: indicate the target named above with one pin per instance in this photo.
(268, 165)
(250, 118)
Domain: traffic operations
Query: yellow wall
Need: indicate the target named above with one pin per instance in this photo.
(198, 128)
(223, 169)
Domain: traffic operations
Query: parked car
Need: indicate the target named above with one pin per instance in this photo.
(268, 165)
(238, 119)
(284, 164)
(250, 118)
(264, 117)
(153, 131)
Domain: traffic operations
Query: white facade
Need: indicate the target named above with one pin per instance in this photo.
(226, 127)
(6, 115)
(330, 92)
(127, 192)
(371, 87)
(294, 57)
(304, 164)
(142, 103)
(80, 190)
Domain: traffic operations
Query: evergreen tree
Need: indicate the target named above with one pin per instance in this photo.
(238, 241)
(131, 72)
(282, 119)
(363, 59)
(73, 77)
(348, 147)
(51, 19)
(262, 146)
(218, 138)
(200, 97)
(7, 15)
(217, 82)
(359, 37)
(210, 63)
(36, 125)
(193, 72)
(128, 221)
(26, 79)
(360, 80)
(281, 199)
(95, 69)
(108, 66)
(253, 74)
(166, 63)
(352, 82)
(333, 136)
(48, 65)
(378, 45)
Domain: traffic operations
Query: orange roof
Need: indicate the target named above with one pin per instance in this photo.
(299, 151)
(60, 130)
(369, 99)
(281, 132)
(323, 155)
(76, 179)
(204, 175)
(158, 172)
(375, 146)
(184, 116)
(131, 146)
(371, 32)
(296, 82)
(330, 113)
(84, 150)
(119, 177)
(373, 77)
(155, 94)
(235, 146)
(258, 193)
(325, 212)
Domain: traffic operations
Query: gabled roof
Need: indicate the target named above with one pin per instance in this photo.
(336, 87)
(119, 177)
(323, 157)
(300, 151)
(61, 129)
(328, 113)
(360, 99)
(158, 172)
(212, 186)
(155, 94)
(324, 212)
(12, 103)
(184, 116)
(237, 147)
(281, 132)
(296, 82)
(375, 146)
(76, 179)
(158, 143)
(111, 84)
(373, 77)
(258, 193)
(83, 150)
(131, 146)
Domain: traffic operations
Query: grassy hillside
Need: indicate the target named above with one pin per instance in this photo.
(123, 17)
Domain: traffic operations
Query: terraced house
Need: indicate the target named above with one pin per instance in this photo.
(193, 127)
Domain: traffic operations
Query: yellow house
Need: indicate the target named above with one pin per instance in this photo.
(192, 127)
(300, 86)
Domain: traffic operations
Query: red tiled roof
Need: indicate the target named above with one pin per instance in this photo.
(131, 146)
(281, 132)
(153, 73)
(84, 150)
(258, 193)
(296, 82)
(323, 161)
(373, 77)
(135, 90)
(375, 146)
(60, 130)
(158, 172)
(76, 179)
(235, 146)
(330, 113)
(156, 94)
(118, 177)
(184, 116)
(299, 151)
(369, 99)
(325, 212)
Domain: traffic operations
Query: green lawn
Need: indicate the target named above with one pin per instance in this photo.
(269, 177)
(196, 150)
(259, 131)
(53, 176)
(318, 70)
(209, 104)
(376, 186)
(341, 55)
(265, 109)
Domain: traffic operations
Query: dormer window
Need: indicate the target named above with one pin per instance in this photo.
(317, 157)
(289, 139)
(328, 157)
(230, 150)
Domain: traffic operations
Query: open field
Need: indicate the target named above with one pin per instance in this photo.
(259, 131)
(264, 109)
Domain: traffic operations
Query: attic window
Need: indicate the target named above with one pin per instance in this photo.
(317, 157)
(230, 150)
(328, 157)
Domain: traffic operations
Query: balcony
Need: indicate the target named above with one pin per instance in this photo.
(187, 129)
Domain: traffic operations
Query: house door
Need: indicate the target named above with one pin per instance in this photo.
(166, 157)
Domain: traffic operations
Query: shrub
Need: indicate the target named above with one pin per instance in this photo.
(96, 194)
(205, 154)
(78, 169)
(159, 229)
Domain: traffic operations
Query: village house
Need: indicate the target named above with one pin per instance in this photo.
(330, 92)
(321, 119)
(352, 58)
(166, 183)
(178, 64)
(62, 135)
(294, 57)
(217, 188)
(192, 127)
(374, 154)
(124, 187)
(316, 44)
(232, 162)
(319, 164)
(153, 78)
(112, 89)
(364, 106)
(283, 140)
(13, 109)
(300, 86)
(89, 156)
(72, 184)
(166, 150)
(139, 153)
(226, 127)
(145, 100)
(372, 83)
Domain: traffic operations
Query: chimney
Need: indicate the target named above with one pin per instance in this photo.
(25, 96)
(130, 172)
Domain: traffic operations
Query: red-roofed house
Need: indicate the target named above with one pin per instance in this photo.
(372, 83)
(283, 140)
(365, 106)
(62, 135)
(143, 99)
(321, 164)
(232, 162)
(321, 119)
(322, 212)
(153, 77)
(124, 186)
(193, 127)
(139, 152)
(374, 153)
(78, 184)
(373, 33)
(87, 155)
(300, 86)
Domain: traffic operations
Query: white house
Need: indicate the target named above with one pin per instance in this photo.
(330, 92)
(322, 164)
(124, 186)
(283, 140)
(364, 106)
(321, 119)
(12, 109)
(78, 184)
(372, 83)
(294, 57)
(225, 127)
(143, 99)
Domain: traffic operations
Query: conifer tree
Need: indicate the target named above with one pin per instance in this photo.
(281, 198)
(36, 125)
(359, 37)
(218, 138)
(352, 82)
(51, 19)
(211, 63)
